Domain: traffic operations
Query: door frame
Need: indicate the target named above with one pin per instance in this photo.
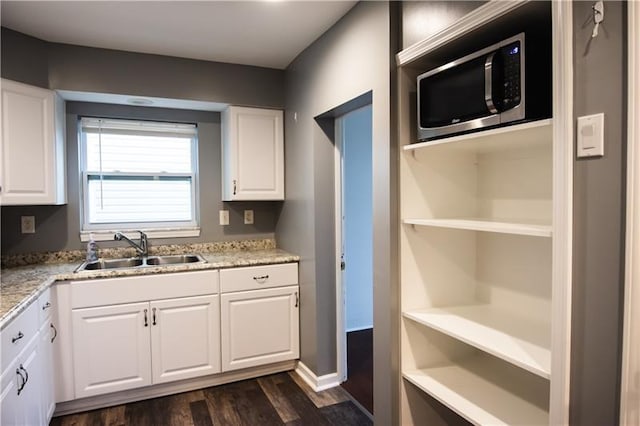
(629, 410)
(341, 336)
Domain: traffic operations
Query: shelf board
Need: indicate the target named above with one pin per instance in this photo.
(522, 342)
(534, 133)
(475, 398)
(486, 225)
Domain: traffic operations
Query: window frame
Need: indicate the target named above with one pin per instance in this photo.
(154, 229)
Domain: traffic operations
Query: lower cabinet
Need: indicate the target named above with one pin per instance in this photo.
(21, 398)
(259, 327)
(131, 345)
(26, 385)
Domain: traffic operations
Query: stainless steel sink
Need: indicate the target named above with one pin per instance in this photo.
(140, 262)
(174, 259)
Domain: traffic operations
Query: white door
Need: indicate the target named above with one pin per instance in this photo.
(30, 364)
(9, 402)
(259, 327)
(253, 154)
(185, 338)
(111, 348)
(48, 334)
(27, 144)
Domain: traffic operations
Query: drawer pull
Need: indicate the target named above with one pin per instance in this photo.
(18, 337)
(146, 320)
(261, 279)
(55, 332)
(154, 316)
(297, 299)
(46, 306)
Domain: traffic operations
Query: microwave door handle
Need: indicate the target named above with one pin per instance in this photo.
(488, 70)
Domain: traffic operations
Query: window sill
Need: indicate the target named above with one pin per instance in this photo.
(102, 235)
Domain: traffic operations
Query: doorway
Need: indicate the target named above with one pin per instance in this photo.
(355, 237)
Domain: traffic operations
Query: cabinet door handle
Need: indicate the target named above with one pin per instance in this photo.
(46, 306)
(17, 337)
(55, 332)
(146, 320)
(25, 378)
(22, 380)
(154, 316)
(261, 279)
(297, 299)
(234, 187)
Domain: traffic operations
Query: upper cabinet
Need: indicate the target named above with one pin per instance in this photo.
(252, 154)
(32, 166)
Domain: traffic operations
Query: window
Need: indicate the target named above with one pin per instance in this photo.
(139, 175)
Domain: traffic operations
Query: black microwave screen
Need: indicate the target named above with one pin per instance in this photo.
(453, 95)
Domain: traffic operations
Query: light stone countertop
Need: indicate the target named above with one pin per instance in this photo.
(20, 286)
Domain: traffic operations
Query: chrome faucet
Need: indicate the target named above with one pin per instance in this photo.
(142, 249)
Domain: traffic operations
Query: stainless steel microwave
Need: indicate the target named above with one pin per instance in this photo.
(487, 88)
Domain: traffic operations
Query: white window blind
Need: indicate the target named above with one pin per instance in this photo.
(138, 174)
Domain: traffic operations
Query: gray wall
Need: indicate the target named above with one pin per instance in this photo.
(58, 66)
(58, 227)
(87, 69)
(352, 58)
(599, 86)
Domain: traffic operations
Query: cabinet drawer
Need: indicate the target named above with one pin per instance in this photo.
(15, 337)
(45, 306)
(257, 277)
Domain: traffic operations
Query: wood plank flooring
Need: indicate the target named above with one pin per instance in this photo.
(278, 399)
(359, 382)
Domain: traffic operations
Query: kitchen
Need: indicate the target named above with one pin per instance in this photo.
(350, 59)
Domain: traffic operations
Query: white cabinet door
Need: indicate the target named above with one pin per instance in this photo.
(259, 327)
(252, 154)
(48, 334)
(32, 169)
(185, 338)
(9, 402)
(111, 348)
(30, 364)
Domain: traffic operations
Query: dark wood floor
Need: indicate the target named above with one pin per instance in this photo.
(360, 367)
(279, 399)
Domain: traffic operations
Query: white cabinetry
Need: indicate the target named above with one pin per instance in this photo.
(48, 333)
(252, 154)
(128, 345)
(32, 166)
(23, 372)
(111, 348)
(259, 315)
(481, 294)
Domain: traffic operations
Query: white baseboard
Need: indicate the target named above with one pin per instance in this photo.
(317, 383)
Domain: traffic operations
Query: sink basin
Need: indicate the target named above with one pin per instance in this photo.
(111, 264)
(174, 259)
(138, 262)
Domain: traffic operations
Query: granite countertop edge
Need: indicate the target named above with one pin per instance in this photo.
(22, 285)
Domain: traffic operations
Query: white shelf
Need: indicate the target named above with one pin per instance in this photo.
(475, 398)
(534, 133)
(520, 341)
(486, 225)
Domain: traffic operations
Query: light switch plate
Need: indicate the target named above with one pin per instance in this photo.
(248, 217)
(28, 224)
(224, 217)
(591, 136)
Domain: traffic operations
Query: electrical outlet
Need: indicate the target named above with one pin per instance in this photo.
(28, 224)
(224, 217)
(248, 217)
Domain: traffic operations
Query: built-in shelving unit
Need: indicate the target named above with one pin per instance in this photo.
(484, 300)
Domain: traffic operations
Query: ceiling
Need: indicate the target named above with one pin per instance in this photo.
(260, 33)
